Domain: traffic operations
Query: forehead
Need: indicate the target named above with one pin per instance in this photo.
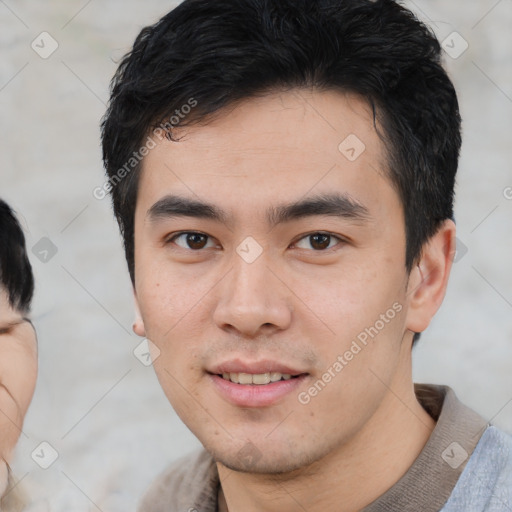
(274, 149)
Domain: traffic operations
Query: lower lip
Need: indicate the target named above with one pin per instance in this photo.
(254, 395)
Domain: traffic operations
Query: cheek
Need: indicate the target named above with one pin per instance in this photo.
(170, 307)
(18, 369)
(169, 294)
(348, 299)
(160, 301)
(363, 316)
(355, 376)
(18, 373)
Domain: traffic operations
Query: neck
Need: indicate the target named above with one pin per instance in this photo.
(349, 478)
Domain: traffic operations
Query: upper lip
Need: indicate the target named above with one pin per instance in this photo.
(253, 367)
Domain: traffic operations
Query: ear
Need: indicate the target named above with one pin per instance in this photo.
(138, 324)
(428, 279)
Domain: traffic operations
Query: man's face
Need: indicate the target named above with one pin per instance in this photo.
(266, 290)
(18, 372)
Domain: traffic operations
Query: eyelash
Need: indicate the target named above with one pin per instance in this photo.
(173, 237)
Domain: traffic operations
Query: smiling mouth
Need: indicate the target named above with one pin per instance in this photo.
(258, 379)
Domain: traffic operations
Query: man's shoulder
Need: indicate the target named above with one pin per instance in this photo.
(188, 484)
(486, 482)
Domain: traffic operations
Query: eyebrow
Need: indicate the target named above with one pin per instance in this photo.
(336, 205)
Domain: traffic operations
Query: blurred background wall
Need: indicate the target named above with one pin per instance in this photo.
(98, 408)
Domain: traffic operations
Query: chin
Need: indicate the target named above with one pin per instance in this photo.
(265, 461)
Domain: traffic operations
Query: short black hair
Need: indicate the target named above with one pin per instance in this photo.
(214, 53)
(16, 276)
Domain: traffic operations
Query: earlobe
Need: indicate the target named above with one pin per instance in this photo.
(429, 278)
(138, 324)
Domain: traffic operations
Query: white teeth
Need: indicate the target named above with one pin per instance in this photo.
(257, 378)
(245, 378)
(261, 378)
(274, 376)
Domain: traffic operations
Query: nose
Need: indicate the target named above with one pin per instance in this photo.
(253, 300)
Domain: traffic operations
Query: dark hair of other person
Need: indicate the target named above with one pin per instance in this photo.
(16, 276)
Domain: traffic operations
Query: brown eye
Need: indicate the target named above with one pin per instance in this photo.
(320, 241)
(196, 240)
(190, 240)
